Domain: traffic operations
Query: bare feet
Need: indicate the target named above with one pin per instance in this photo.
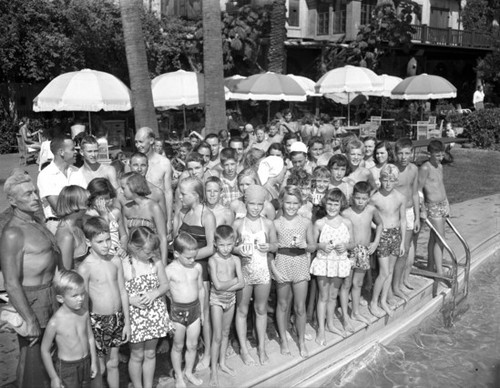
(408, 285)
(400, 294)
(193, 379)
(386, 308)
(333, 329)
(285, 350)
(303, 350)
(263, 357)
(347, 324)
(224, 368)
(247, 359)
(214, 379)
(320, 338)
(376, 311)
(360, 318)
(204, 363)
(179, 381)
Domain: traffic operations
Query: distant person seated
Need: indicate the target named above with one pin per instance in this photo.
(28, 136)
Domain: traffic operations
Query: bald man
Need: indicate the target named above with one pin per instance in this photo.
(159, 171)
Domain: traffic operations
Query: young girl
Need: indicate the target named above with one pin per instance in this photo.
(298, 177)
(383, 155)
(142, 211)
(146, 283)
(102, 195)
(320, 183)
(70, 208)
(213, 189)
(199, 222)
(369, 143)
(338, 165)
(291, 267)
(256, 237)
(316, 148)
(331, 264)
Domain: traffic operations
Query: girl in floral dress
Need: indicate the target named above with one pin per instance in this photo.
(331, 264)
(146, 283)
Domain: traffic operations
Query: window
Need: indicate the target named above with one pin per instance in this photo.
(323, 25)
(339, 17)
(293, 13)
(367, 7)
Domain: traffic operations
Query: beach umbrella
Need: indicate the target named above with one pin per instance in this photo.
(307, 84)
(85, 90)
(424, 87)
(351, 80)
(389, 82)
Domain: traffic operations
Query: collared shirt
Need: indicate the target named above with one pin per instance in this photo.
(51, 181)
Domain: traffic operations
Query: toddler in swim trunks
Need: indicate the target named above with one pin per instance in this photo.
(226, 277)
(187, 295)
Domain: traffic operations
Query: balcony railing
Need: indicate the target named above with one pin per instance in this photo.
(451, 37)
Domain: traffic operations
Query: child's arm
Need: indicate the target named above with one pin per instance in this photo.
(66, 243)
(161, 229)
(201, 292)
(423, 174)
(93, 354)
(272, 245)
(219, 284)
(48, 338)
(121, 227)
(177, 221)
(378, 232)
(124, 299)
(324, 246)
(310, 244)
(239, 275)
(342, 247)
(416, 202)
(208, 222)
(149, 297)
(402, 219)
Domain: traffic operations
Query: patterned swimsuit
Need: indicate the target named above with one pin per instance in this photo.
(255, 268)
(332, 264)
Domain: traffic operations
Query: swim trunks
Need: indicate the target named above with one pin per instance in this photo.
(410, 218)
(390, 243)
(185, 313)
(224, 299)
(74, 374)
(108, 330)
(439, 209)
(43, 302)
(360, 257)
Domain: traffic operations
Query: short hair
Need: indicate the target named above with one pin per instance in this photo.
(250, 172)
(362, 188)
(293, 191)
(140, 236)
(368, 138)
(94, 226)
(71, 199)
(321, 172)
(388, 146)
(213, 179)
(390, 171)
(187, 145)
(335, 195)
(235, 139)
(194, 157)
(57, 143)
(15, 179)
(354, 144)
(139, 155)
(315, 140)
(136, 183)
(88, 139)
(197, 186)
(289, 136)
(298, 177)
(260, 127)
(224, 232)
(339, 160)
(98, 187)
(226, 154)
(252, 157)
(183, 242)
(149, 132)
(67, 280)
(435, 145)
(205, 145)
(403, 142)
(278, 147)
(212, 136)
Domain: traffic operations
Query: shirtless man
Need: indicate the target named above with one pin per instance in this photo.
(29, 256)
(160, 170)
(91, 167)
(139, 163)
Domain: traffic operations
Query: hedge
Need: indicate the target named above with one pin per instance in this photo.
(482, 127)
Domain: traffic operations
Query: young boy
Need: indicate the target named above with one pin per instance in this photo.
(70, 328)
(407, 185)
(213, 190)
(355, 151)
(229, 163)
(391, 205)
(109, 316)
(187, 295)
(431, 190)
(260, 139)
(226, 276)
(273, 132)
(361, 214)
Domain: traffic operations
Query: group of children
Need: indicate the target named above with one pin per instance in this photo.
(239, 235)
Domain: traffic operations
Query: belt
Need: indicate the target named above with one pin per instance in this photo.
(291, 251)
(51, 219)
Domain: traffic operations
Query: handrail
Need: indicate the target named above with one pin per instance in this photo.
(467, 256)
(451, 37)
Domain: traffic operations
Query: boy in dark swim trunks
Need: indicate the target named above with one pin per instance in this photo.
(391, 205)
(361, 215)
(436, 207)
(226, 277)
(70, 328)
(187, 295)
(109, 316)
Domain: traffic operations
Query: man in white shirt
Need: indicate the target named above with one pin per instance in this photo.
(478, 98)
(53, 178)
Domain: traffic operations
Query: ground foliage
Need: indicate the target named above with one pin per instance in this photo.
(482, 127)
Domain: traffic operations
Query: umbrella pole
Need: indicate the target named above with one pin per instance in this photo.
(382, 107)
(90, 124)
(185, 122)
(348, 109)
(268, 111)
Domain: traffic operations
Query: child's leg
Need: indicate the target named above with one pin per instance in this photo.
(311, 303)
(400, 267)
(192, 335)
(299, 308)
(331, 306)
(216, 315)
(149, 363)
(176, 353)
(412, 250)
(324, 292)
(344, 300)
(135, 363)
(383, 274)
(357, 283)
(207, 329)
(227, 319)
(113, 376)
(283, 290)
(435, 247)
(387, 286)
(242, 301)
(260, 306)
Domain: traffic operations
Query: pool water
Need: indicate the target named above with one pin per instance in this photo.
(432, 355)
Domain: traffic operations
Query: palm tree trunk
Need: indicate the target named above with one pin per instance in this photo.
(277, 52)
(135, 48)
(213, 67)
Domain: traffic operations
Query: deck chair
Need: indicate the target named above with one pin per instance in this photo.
(422, 129)
(26, 153)
(103, 151)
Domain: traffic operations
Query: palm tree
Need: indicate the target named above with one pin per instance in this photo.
(135, 48)
(277, 37)
(213, 67)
